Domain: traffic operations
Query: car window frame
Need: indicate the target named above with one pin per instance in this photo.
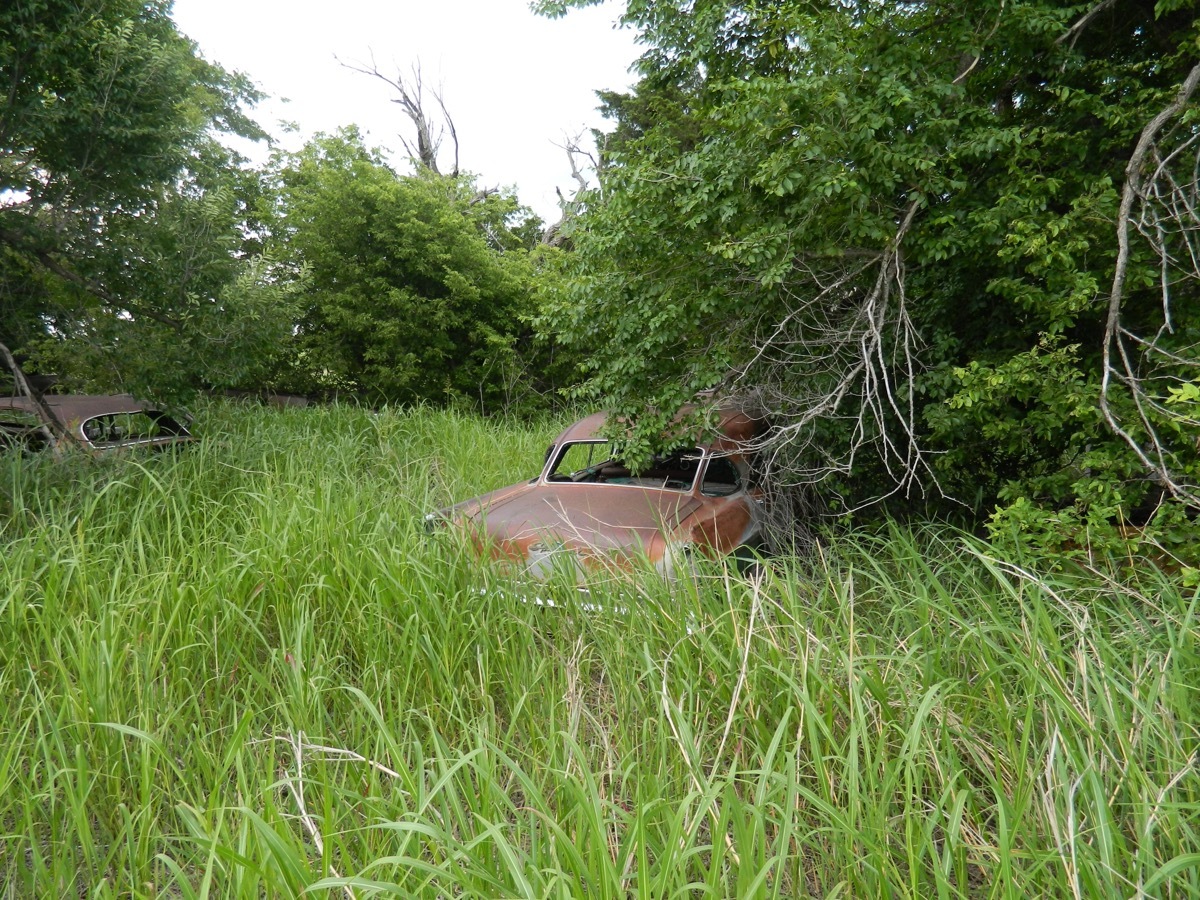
(739, 487)
(557, 452)
(176, 430)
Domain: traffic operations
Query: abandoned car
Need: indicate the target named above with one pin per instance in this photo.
(95, 423)
(588, 512)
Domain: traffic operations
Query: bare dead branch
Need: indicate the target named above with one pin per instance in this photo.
(553, 236)
(1167, 213)
(411, 100)
(845, 350)
(969, 66)
(453, 131)
(482, 194)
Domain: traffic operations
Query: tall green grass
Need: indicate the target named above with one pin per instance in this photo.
(245, 670)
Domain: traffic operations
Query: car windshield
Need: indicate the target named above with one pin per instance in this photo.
(593, 462)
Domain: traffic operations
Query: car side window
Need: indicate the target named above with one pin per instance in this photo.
(116, 428)
(580, 461)
(721, 478)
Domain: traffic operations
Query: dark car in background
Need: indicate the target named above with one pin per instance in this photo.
(96, 423)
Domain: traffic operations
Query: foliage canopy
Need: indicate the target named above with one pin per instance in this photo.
(418, 286)
(127, 248)
(896, 225)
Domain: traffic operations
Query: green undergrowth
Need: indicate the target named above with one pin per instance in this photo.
(246, 670)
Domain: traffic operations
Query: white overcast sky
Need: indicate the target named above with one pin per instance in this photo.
(517, 85)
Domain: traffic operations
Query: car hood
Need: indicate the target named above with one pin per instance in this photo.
(596, 517)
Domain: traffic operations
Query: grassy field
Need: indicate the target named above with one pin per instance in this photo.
(247, 671)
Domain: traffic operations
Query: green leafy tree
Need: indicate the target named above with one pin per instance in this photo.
(127, 256)
(211, 310)
(418, 288)
(896, 225)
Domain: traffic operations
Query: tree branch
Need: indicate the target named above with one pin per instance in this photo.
(1072, 34)
(57, 434)
(1153, 456)
(569, 208)
(411, 101)
(56, 267)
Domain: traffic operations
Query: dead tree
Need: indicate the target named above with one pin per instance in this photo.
(410, 98)
(569, 208)
(1145, 372)
(848, 330)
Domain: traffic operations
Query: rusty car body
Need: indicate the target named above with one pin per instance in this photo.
(98, 424)
(586, 511)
